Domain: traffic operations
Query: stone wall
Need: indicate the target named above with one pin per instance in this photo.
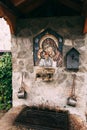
(55, 93)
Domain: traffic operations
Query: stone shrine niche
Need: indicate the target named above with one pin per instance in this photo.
(72, 59)
(47, 54)
(48, 49)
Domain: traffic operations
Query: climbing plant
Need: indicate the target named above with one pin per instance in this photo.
(5, 81)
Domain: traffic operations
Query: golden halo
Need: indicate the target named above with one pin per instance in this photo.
(48, 36)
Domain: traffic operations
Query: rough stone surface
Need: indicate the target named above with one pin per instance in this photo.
(76, 123)
(50, 93)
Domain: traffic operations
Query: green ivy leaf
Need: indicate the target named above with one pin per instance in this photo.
(5, 81)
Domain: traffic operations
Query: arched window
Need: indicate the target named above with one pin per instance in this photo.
(5, 66)
(5, 36)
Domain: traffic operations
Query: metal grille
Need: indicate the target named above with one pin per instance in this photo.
(40, 119)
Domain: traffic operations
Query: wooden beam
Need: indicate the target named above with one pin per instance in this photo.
(85, 26)
(33, 6)
(84, 10)
(11, 8)
(84, 13)
(17, 2)
(71, 4)
(10, 18)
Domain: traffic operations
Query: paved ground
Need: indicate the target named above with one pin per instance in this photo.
(2, 113)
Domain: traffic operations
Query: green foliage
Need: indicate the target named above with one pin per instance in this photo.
(5, 81)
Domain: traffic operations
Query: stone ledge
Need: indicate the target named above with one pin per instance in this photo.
(7, 120)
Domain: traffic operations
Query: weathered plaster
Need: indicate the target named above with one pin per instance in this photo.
(50, 93)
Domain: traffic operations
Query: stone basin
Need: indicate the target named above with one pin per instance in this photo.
(12, 121)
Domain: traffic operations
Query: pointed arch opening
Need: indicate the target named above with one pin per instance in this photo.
(5, 66)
